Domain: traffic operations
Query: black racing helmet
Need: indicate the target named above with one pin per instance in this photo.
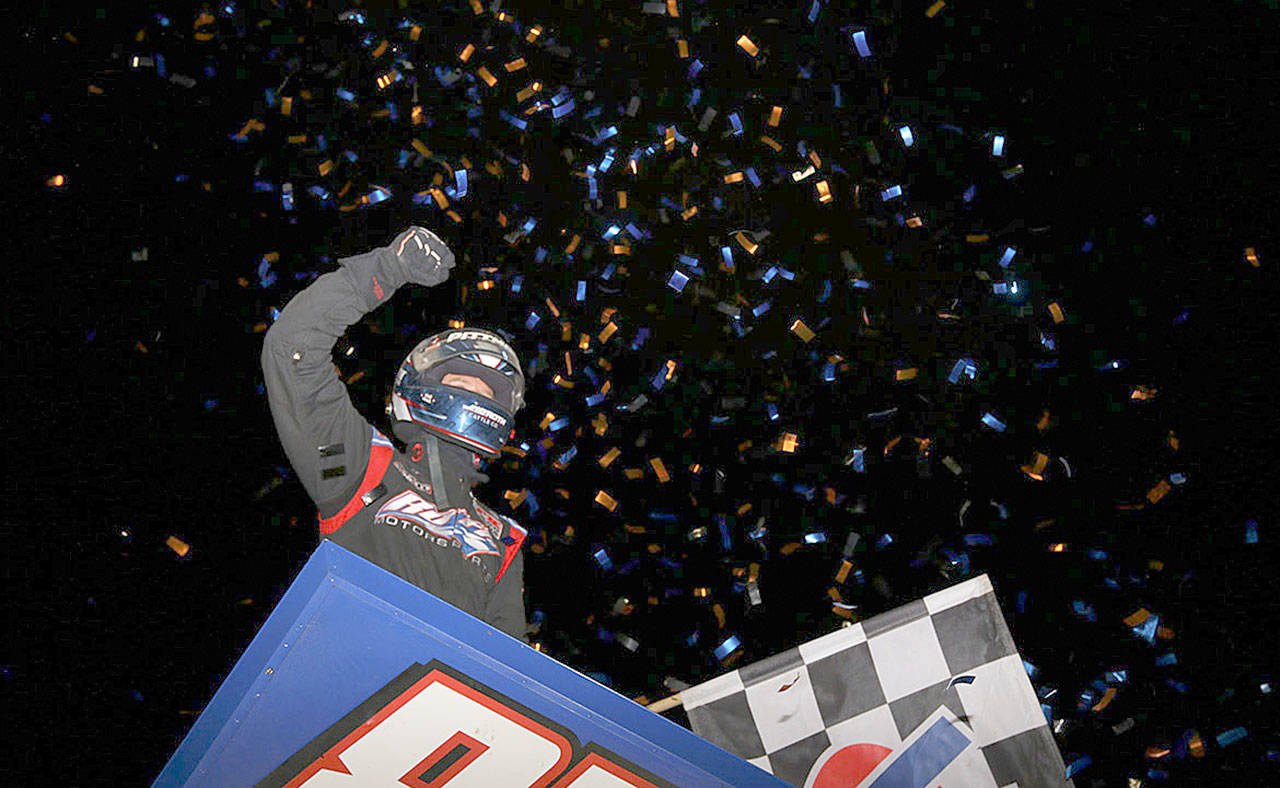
(479, 423)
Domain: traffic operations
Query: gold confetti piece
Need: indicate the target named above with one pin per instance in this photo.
(800, 175)
(178, 546)
(801, 330)
(547, 419)
(1173, 441)
(824, 192)
(487, 76)
(906, 374)
(69, 37)
(682, 48)
(415, 32)
(534, 32)
(622, 199)
(600, 423)
(555, 311)
(843, 573)
(607, 332)
(672, 9)
(573, 244)
(1142, 393)
(747, 46)
(612, 454)
(788, 442)
(690, 213)
(660, 469)
(718, 609)
(388, 79)
(1156, 564)
(775, 116)
(915, 221)
(1056, 311)
(746, 243)
(56, 182)
(1045, 422)
(286, 105)
(1251, 255)
(633, 474)
(305, 94)
(515, 65)
(771, 142)
(1137, 617)
(744, 508)
(325, 167)
(477, 7)
(380, 50)
(1058, 547)
(606, 500)
(742, 447)
(933, 10)
(978, 238)
(1161, 489)
(528, 90)
(1106, 699)
(790, 547)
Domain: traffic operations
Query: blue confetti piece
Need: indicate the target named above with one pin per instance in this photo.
(857, 460)
(829, 372)
(581, 295)
(695, 68)
(1165, 660)
(813, 12)
(532, 320)
(517, 282)
(1231, 736)
(564, 109)
(558, 424)
(540, 254)
(994, 423)
(908, 139)
(1084, 610)
(772, 410)
(960, 680)
(817, 537)
(890, 193)
(969, 193)
(1147, 629)
(1032, 670)
(963, 369)
(760, 309)
(602, 558)
(997, 145)
(1149, 220)
(725, 541)
(460, 177)
(345, 94)
(860, 43)
(1251, 532)
(726, 255)
(1078, 764)
(976, 540)
(1007, 257)
(727, 647)
(737, 124)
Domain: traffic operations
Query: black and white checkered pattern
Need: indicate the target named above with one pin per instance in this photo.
(878, 681)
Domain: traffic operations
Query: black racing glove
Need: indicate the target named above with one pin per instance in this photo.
(427, 260)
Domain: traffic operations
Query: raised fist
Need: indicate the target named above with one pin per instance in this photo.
(426, 258)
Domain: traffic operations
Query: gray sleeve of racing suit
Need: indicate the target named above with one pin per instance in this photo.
(504, 608)
(325, 438)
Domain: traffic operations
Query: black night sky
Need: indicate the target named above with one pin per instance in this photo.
(1136, 185)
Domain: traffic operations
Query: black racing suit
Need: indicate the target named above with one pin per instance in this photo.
(373, 499)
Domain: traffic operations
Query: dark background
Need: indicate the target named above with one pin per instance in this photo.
(114, 644)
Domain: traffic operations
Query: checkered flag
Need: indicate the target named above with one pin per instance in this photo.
(932, 693)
